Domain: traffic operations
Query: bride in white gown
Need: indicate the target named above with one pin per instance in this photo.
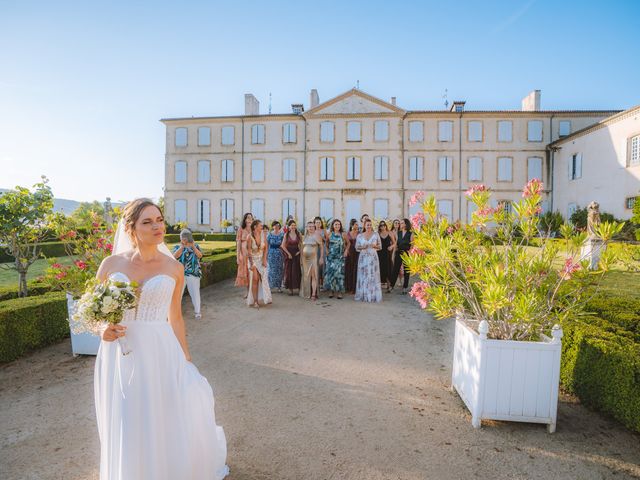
(155, 411)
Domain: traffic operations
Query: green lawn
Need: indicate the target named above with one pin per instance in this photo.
(9, 278)
(208, 247)
(621, 284)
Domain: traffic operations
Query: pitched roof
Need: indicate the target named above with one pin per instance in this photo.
(598, 125)
(357, 101)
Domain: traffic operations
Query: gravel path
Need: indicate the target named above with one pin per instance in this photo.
(332, 390)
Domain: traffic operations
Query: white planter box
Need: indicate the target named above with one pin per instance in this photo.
(507, 379)
(81, 343)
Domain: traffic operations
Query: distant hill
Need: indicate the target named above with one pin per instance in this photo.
(62, 204)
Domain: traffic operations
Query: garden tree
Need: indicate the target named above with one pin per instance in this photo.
(24, 216)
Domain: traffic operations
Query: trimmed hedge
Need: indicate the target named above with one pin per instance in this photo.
(601, 357)
(33, 289)
(56, 249)
(30, 323)
(216, 268)
(603, 369)
(47, 249)
(200, 237)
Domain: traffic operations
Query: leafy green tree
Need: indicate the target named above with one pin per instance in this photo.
(24, 217)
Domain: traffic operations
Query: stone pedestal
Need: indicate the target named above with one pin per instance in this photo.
(592, 251)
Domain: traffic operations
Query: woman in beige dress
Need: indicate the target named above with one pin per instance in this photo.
(259, 289)
(312, 256)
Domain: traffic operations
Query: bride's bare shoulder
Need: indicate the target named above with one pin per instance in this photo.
(111, 264)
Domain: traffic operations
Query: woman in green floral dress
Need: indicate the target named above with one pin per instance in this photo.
(337, 248)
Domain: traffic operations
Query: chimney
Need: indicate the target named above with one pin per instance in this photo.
(251, 104)
(393, 100)
(314, 99)
(531, 103)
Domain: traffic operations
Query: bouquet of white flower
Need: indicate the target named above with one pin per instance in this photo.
(104, 302)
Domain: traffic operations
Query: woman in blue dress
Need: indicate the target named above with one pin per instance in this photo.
(337, 248)
(275, 257)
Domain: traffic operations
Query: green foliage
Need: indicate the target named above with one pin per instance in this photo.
(86, 212)
(521, 291)
(35, 288)
(30, 323)
(216, 268)
(579, 220)
(46, 249)
(24, 216)
(635, 217)
(550, 223)
(89, 243)
(602, 367)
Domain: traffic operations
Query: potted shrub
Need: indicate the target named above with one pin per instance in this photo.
(510, 292)
(87, 246)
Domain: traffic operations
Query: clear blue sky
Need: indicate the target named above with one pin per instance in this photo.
(83, 84)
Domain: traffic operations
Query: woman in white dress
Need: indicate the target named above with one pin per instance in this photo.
(155, 411)
(368, 285)
(259, 289)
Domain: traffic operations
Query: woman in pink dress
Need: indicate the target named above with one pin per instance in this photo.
(242, 252)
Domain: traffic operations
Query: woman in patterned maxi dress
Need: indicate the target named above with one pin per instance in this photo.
(275, 257)
(368, 285)
(337, 248)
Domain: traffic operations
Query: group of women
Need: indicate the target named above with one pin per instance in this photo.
(358, 261)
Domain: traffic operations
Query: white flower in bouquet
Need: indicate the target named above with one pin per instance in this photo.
(103, 302)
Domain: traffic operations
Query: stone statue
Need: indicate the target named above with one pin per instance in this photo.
(593, 219)
(593, 245)
(108, 212)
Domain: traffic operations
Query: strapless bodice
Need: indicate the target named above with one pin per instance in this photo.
(154, 301)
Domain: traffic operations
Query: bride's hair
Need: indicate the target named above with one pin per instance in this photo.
(131, 214)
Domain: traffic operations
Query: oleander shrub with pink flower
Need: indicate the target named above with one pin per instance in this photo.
(489, 270)
(88, 245)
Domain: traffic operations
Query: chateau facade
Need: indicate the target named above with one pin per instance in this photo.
(356, 154)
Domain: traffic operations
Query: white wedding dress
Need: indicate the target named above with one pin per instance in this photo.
(155, 411)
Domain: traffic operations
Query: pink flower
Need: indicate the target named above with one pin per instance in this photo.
(61, 275)
(80, 264)
(536, 211)
(56, 265)
(72, 234)
(415, 251)
(108, 247)
(417, 220)
(469, 269)
(474, 189)
(109, 231)
(450, 230)
(95, 224)
(419, 291)
(570, 267)
(416, 198)
(532, 188)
